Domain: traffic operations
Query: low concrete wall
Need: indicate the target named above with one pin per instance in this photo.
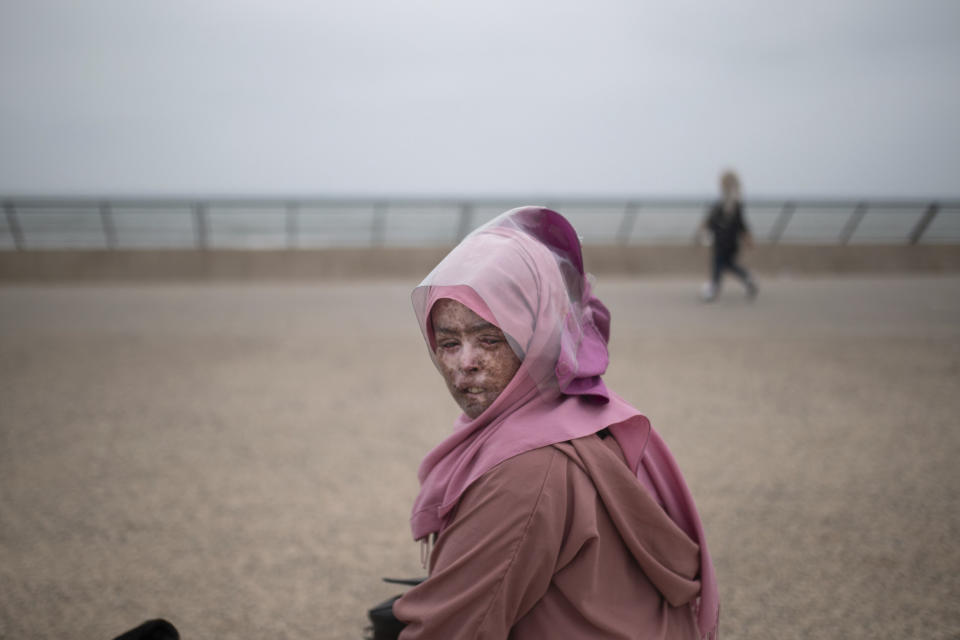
(149, 265)
(772, 260)
(414, 263)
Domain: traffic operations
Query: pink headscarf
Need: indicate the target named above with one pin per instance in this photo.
(523, 272)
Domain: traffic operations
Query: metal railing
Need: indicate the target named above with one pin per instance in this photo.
(211, 223)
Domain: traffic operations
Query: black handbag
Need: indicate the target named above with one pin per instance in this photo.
(158, 629)
(383, 624)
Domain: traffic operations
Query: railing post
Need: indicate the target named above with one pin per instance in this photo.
(106, 221)
(200, 225)
(924, 222)
(782, 221)
(627, 223)
(378, 225)
(293, 228)
(466, 220)
(852, 222)
(13, 223)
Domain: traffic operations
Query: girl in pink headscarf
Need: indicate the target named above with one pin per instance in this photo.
(555, 510)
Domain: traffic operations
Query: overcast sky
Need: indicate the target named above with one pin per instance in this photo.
(499, 97)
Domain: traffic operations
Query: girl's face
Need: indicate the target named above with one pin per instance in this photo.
(475, 359)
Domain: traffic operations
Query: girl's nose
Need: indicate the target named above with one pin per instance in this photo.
(469, 358)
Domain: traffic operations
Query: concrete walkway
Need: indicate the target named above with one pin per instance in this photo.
(241, 458)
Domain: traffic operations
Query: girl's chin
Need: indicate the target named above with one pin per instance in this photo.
(473, 412)
(473, 407)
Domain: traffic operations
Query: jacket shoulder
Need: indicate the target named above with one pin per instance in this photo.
(524, 473)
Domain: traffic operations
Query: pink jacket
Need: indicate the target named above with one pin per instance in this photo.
(558, 542)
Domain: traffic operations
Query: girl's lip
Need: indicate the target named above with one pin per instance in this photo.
(472, 391)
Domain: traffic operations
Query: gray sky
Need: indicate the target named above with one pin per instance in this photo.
(500, 97)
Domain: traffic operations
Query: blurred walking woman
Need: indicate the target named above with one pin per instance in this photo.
(727, 223)
(554, 509)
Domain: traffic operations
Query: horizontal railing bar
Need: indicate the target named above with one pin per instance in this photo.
(405, 201)
(205, 224)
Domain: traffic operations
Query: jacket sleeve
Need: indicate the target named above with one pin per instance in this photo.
(742, 227)
(496, 558)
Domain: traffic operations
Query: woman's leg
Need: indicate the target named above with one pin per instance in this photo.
(712, 288)
(743, 274)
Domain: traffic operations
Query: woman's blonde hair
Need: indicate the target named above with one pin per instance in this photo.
(730, 184)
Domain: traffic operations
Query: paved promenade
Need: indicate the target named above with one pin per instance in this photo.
(241, 458)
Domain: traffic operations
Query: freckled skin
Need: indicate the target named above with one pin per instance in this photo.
(475, 359)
